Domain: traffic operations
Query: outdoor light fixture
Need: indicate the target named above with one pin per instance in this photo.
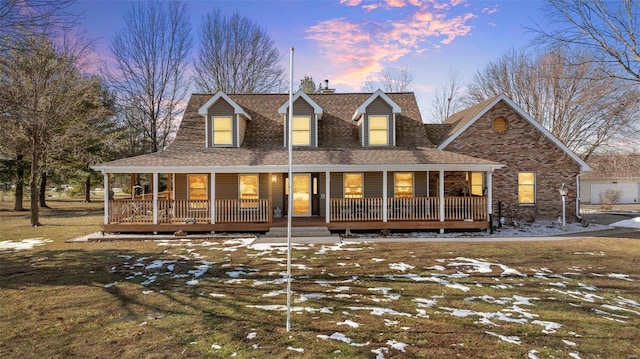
(274, 178)
(563, 192)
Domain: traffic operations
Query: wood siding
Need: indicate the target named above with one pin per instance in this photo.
(242, 128)
(302, 108)
(222, 108)
(379, 107)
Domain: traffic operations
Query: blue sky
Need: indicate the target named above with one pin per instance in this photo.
(347, 40)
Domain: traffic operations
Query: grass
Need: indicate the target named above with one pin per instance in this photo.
(116, 299)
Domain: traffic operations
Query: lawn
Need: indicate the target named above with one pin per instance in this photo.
(226, 298)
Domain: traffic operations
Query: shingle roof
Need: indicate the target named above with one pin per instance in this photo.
(613, 166)
(337, 137)
(459, 119)
(231, 157)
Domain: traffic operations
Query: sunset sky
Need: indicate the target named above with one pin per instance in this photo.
(347, 40)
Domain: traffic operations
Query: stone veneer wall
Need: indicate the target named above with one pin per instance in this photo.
(523, 149)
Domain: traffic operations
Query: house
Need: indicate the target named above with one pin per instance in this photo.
(536, 163)
(360, 161)
(615, 179)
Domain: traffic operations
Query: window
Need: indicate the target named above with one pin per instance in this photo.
(477, 184)
(248, 190)
(353, 185)
(301, 131)
(403, 185)
(500, 124)
(222, 131)
(378, 130)
(527, 188)
(198, 194)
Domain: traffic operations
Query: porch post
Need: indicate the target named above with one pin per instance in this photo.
(427, 183)
(105, 176)
(441, 198)
(490, 197)
(385, 210)
(212, 203)
(327, 196)
(155, 197)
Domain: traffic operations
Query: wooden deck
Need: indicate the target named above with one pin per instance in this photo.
(296, 222)
(421, 213)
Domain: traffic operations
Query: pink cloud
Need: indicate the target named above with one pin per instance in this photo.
(350, 2)
(490, 10)
(355, 50)
(371, 7)
(396, 3)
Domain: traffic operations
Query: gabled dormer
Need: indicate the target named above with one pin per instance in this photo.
(306, 114)
(225, 121)
(376, 119)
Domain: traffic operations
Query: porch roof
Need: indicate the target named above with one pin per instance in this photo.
(308, 159)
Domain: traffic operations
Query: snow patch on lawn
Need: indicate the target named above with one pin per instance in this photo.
(23, 245)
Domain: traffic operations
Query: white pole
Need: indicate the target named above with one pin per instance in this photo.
(564, 222)
(290, 199)
(106, 196)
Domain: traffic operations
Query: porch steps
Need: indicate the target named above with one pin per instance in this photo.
(299, 232)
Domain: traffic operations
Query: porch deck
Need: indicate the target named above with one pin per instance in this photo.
(420, 213)
(296, 222)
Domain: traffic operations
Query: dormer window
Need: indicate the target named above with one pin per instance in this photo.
(377, 120)
(225, 121)
(304, 121)
(301, 129)
(378, 130)
(222, 130)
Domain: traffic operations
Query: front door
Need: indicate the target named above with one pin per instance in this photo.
(301, 194)
(302, 205)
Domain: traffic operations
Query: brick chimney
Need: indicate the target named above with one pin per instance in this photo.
(325, 88)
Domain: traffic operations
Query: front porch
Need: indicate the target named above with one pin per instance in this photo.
(415, 213)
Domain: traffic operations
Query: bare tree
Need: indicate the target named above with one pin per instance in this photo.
(237, 56)
(45, 99)
(20, 17)
(567, 93)
(148, 77)
(389, 80)
(610, 30)
(447, 100)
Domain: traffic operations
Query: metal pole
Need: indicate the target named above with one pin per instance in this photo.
(564, 222)
(290, 199)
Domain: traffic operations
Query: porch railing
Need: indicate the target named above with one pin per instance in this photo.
(414, 209)
(131, 211)
(408, 209)
(465, 209)
(243, 210)
(186, 211)
(259, 210)
(356, 209)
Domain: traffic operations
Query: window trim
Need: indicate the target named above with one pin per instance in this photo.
(213, 131)
(344, 184)
(533, 185)
(309, 131)
(413, 184)
(386, 130)
(189, 189)
(249, 203)
(473, 185)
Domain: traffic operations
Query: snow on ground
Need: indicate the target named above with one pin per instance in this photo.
(628, 223)
(23, 245)
(508, 308)
(190, 266)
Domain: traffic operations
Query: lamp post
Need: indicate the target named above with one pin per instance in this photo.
(563, 192)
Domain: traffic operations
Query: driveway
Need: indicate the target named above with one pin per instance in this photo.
(607, 218)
